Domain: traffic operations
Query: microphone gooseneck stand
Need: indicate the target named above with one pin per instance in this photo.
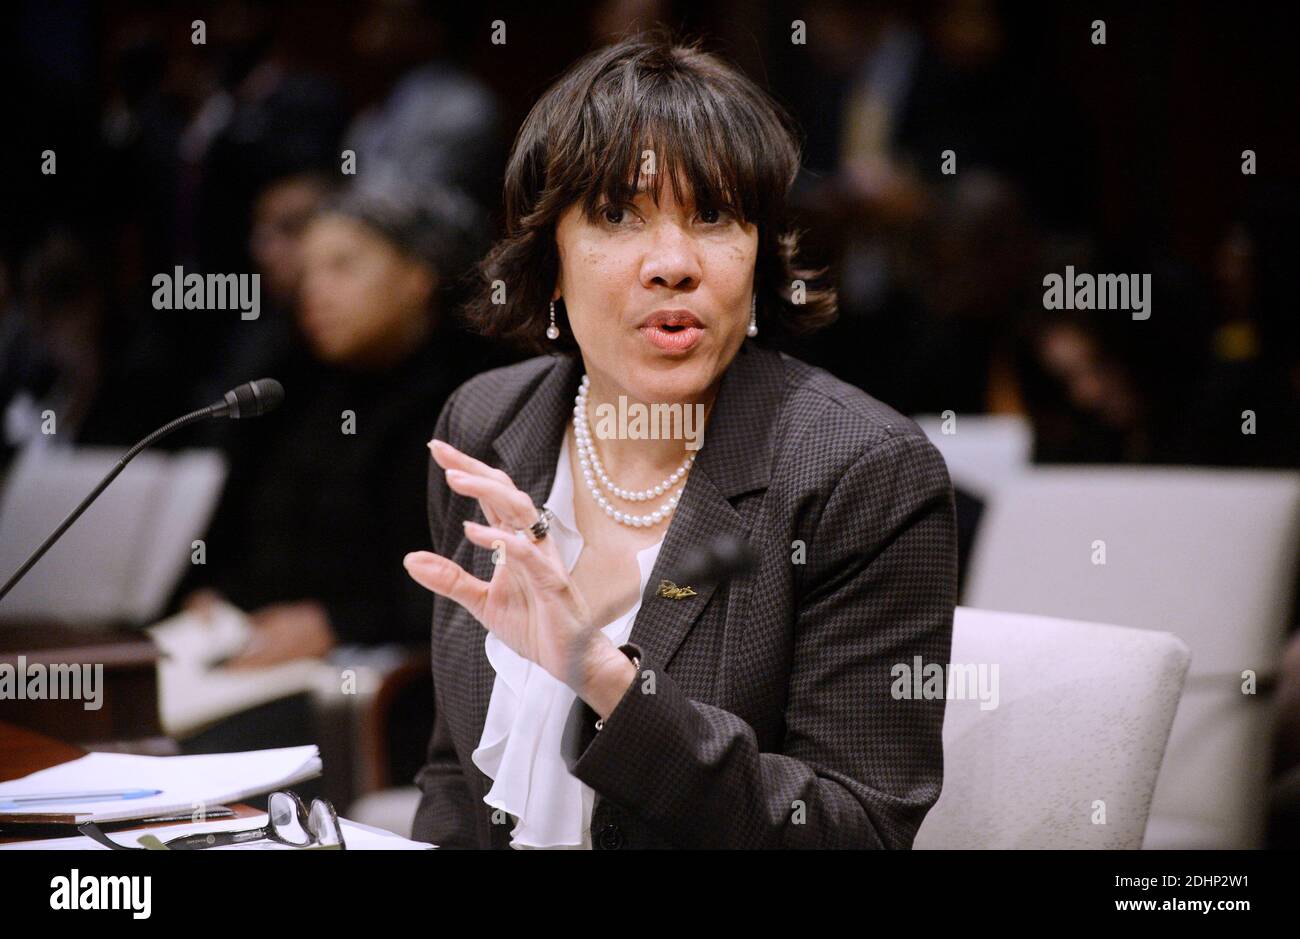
(251, 400)
(192, 417)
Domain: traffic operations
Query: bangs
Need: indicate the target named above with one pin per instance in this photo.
(642, 123)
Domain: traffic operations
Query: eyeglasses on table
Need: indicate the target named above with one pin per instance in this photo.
(288, 822)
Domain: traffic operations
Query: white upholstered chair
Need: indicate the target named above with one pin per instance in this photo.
(983, 451)
(1209, 555)
(1068, 757)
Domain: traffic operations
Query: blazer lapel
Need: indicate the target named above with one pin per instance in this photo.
(736, 458)
(530, 444)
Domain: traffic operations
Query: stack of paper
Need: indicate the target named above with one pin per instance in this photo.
(184, 783)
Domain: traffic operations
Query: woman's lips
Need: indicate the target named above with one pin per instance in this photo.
(677, 339)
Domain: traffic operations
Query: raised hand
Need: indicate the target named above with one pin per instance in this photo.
(531, 603)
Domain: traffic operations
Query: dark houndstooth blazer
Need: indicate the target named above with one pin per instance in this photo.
(771, 721)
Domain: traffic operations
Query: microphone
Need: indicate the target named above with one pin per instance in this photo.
(717, 560)
(252, 399)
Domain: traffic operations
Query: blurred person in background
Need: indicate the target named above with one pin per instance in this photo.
(192, 133)
(324, 498)
(909, 114)
(963, 281)
(281, 214)
(199, 129)
(61, 353)
(53, 358)
(434, 121)
(1101, 387)
(1255, 345)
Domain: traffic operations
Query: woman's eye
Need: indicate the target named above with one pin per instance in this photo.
(712, 216)
(613, 214)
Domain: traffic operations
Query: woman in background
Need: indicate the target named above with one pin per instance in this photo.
(374, 353)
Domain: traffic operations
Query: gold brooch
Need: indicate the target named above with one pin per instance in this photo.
(671, 591)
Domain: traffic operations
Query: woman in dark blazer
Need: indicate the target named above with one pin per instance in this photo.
(594, 688)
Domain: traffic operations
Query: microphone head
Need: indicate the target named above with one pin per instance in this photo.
(719, 559)
(252, 399)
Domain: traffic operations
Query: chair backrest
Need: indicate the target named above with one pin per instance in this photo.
(1207, 554)
(1065, 753)
(983, 451)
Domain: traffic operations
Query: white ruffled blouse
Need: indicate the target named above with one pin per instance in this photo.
(520, 747)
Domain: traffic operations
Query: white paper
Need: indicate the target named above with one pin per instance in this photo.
(192, 695)
(120, 560)
(187, 782)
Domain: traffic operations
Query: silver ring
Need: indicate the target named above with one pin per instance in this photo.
(538, 529)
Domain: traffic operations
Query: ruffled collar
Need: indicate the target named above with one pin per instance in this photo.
(520, 746)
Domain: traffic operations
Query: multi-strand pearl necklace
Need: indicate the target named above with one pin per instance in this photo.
(596, 477)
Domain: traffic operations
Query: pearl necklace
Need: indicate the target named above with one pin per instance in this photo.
(594, 474)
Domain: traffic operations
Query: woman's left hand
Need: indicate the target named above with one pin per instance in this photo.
(283, 632)
(531, 603)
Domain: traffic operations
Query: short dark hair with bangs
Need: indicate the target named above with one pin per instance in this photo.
(709, 128)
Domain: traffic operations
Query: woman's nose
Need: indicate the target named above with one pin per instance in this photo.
(672, 259)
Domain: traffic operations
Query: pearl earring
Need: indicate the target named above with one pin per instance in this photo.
(753, 318)
(552, 331)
